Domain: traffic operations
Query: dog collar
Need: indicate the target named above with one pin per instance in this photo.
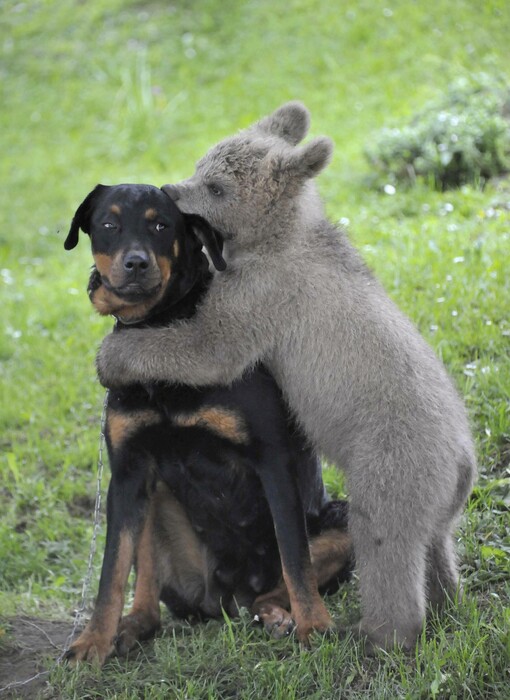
(124, 322)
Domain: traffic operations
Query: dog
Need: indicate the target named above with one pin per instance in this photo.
(364, 386)
(198, 475)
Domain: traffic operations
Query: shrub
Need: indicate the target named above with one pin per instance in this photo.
(464, 137)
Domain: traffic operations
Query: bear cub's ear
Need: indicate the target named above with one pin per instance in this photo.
(290, 122)
(296, 165)
(312, 158)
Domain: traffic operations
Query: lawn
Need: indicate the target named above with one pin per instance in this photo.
(136, 91)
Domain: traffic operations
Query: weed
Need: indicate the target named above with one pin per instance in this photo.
(461, 138)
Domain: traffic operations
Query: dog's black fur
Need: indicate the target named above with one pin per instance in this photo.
(201, 478)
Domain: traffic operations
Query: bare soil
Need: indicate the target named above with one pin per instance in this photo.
(29, 646)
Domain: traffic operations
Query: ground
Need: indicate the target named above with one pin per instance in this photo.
(27, 644)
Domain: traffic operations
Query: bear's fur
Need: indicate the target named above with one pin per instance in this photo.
(367, 389)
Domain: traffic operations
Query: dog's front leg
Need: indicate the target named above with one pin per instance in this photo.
(143, 620)
(307, 608)
(126, 508)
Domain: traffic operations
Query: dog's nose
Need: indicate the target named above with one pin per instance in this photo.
(136, 260)
(171, 191)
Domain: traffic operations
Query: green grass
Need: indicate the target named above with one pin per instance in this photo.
(135, 92)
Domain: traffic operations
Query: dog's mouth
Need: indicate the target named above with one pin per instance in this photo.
(130, 302)
(132, 292)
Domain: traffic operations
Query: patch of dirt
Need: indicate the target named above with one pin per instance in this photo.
(26, 648)
(81, 506)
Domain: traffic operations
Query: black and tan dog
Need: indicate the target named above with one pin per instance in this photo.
(202, 479)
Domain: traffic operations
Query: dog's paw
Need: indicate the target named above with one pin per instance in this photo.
(135, 628)
(91, 647)
(277, 621)
(127, 638)
(305, 630)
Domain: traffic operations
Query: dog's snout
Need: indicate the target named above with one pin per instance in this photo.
(136, 261)
(171, 191)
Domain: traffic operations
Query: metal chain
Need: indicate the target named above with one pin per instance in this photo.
(92, 551)
(95, 530)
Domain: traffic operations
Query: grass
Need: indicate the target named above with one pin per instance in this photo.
(135, 92)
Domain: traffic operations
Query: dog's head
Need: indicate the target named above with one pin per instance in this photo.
(145, 250)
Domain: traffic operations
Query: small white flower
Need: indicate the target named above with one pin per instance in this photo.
(6, 276)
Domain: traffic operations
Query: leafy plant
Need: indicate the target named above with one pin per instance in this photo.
(464, 137)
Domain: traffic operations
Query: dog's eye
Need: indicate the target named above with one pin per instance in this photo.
(160, 227)
(108, 224)
(215, 189)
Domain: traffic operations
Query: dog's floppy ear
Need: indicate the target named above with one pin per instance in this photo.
(81, 219)
(210, 238)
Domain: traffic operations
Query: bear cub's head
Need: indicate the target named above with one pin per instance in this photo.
(253, 185)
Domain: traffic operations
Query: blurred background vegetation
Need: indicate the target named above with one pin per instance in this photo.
(137, 90)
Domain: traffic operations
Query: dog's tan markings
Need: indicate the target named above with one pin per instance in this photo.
(176, 532)
(103, 263)
(111, 612)
(150, 214)
(184, 560)
(272, 609)
(165, 267)
(107, 302)
(96, 642)
(175, 249)
(222, 421)
(120, 426)
(144, 618)
(115, 209)
(146, 590)
(330, 552)
(307, 607)
(104, 301)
